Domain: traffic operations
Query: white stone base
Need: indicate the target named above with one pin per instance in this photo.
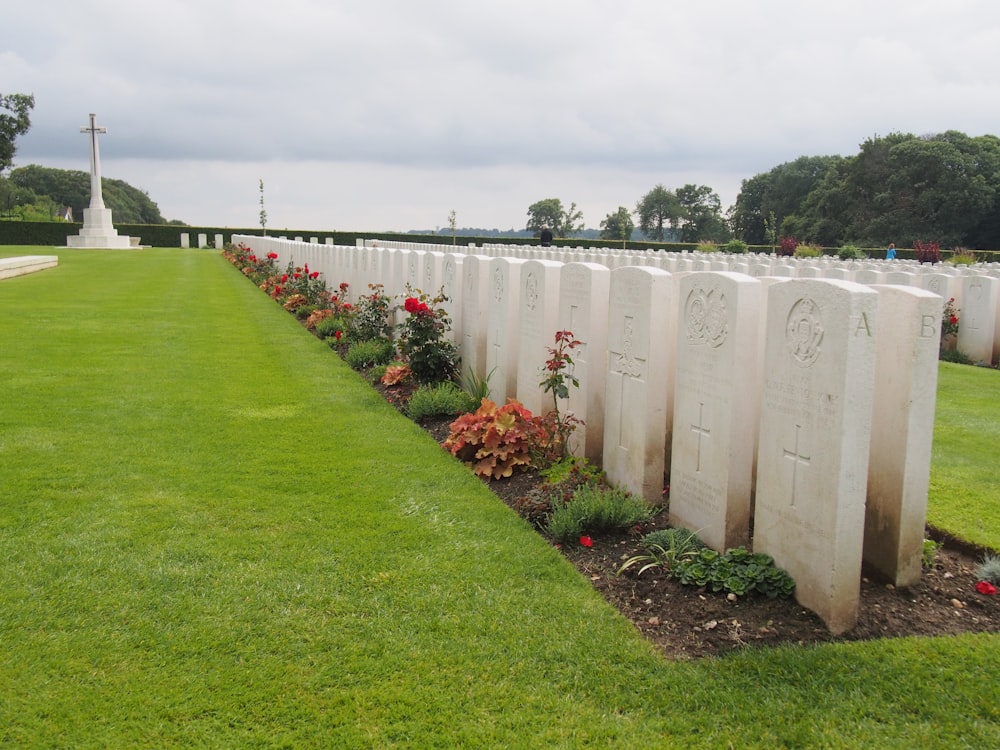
(23, 264)
(99, 232)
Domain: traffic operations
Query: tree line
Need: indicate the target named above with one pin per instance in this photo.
(901, 188)
(692, 213)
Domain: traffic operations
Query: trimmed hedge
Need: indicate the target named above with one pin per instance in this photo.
(54, 234)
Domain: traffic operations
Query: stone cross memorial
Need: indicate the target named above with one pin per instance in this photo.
(98, 230)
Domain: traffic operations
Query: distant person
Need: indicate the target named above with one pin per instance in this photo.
(546, 236)
(890, 253)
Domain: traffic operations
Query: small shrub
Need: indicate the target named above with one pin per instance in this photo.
(706, 247)
(561, 480)
(927, 252)
(989, 569)
(294, 302)
(787, 245)
(376, 373)
(558, 378)
(370, 320)
(317, 316)
(597, 509)
(422, 339)
(328, 326)
(949, 318)
(495, 440)
(962, 257)
(665, 548)
(364, 354)
(955, 356)
(477, 388)
(929, 553)
(439, 399)
(396, 373)
(808, 251)
(851, 252)
(737, 571)
(736, 247)
(304, 312)
(573, 471)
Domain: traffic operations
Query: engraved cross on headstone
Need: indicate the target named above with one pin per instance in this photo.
(796, 458)
(96, 198)
(701, 431)
(628, 367)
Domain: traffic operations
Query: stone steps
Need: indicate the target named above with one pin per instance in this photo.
(24, 264)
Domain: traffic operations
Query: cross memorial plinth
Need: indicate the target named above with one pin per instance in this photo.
(98, 230)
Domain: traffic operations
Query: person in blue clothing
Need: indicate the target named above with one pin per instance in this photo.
(890, 254)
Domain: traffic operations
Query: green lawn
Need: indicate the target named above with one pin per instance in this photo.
(964, 496)
(214, 534)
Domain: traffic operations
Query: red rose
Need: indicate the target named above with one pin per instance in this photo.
(586, 541)
(336, 335)
(954, 319)
(987, 588)
(411, 304)
(284, 278)
(314, 275)
(297, 276)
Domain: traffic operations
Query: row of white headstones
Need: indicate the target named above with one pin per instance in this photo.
(800, 407)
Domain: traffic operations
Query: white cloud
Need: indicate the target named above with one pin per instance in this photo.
(388, 114)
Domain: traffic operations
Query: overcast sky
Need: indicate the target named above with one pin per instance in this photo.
(388, 114)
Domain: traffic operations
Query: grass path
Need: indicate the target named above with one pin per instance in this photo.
(213, 533)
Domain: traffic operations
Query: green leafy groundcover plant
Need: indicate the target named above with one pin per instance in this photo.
(737, 571)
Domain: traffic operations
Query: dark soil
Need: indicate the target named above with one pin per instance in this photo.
(686, 622)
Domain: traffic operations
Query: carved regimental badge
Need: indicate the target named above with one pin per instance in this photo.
(531, 291)
(498, 284)
(804, 332)
(706, 314)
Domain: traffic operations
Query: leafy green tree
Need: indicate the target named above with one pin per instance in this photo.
(14, 122)
(550, 212)
(658, 209)
(701, 217)
(618, 226)
(780, 191)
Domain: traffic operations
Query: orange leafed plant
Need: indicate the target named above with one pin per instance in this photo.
(496, 439)
(396, 374)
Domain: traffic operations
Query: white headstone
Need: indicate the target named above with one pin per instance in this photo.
(584, 290)
(637, 380)
(906, 369)
(475, 292)
(503, 326)
(815, 431)
(715, 410)
(978, 317)
(539, 281)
